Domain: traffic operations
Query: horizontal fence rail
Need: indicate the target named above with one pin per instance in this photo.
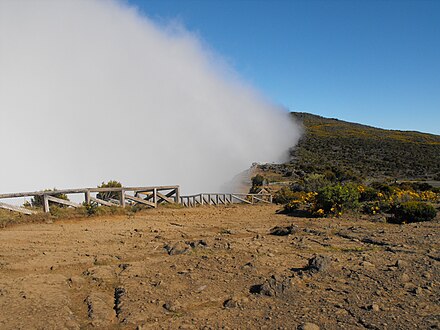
(123, 196)
(114, 196)
(224, 199)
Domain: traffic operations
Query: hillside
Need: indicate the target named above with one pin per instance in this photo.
(354, 151)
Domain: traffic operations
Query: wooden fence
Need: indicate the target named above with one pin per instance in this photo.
(121, 196)
(224, 199)
(117, 196)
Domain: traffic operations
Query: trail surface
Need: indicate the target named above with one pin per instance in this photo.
(211, 268)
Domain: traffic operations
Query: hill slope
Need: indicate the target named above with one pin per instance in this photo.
(350, 151)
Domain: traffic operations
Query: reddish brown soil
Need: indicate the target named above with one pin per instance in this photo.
(114, 272)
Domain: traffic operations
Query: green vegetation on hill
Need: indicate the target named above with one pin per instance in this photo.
(348, 151)
(339, 166)
(366, 151)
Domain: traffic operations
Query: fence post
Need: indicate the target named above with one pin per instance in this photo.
(122, 198)
(87, 196)
(46, 204)
(177, 197)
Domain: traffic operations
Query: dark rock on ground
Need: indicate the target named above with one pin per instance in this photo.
(273, 286)
(230, 303)
(197, 243)
(318, 263)
(178, 248)
(283, 231)
(171, 306)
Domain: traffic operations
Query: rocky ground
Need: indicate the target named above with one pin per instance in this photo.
(219, 268)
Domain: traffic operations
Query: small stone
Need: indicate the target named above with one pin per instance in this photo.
(201, 288)
(401, 263)
(171, 306)
(273, 286)
(374, 307)
(76, 281)
(367, 264)
(426, 275)
(283, 231)
(308, 326)
(318, 263)
(230, 303)
(178, 248)
(418, 290)
(404, 278)
(198, 243)
(408, 286)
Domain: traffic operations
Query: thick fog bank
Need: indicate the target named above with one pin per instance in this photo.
(92, 91)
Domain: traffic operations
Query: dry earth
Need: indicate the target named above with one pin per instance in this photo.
(219, 268)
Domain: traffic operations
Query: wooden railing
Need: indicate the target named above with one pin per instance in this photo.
(150, 196)
(121, 196)
(224, 199)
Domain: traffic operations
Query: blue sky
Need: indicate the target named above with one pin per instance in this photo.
(372, 62)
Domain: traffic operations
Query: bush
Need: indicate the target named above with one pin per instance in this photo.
(91, 209)
(416, 186)
(413, 211)
(283, 196)
(336, 198)
(314, 182)
(258, 180)
(383, 188)
(367, 194)
(300, 200)
(37, 201)
(378, 206)
(110, 194)
(291, 206)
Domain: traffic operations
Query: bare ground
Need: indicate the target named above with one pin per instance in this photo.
(211, 268)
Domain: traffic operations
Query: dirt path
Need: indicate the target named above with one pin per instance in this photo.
(210, 268)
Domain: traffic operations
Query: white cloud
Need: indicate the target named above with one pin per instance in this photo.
(92, 91)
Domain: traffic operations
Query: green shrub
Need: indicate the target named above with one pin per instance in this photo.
(368, 194)
(329, 175)
(413, 211)
(291, 206)
(335, 198)
(258, 180)
(314, 182)
(91, 209)
(377, 206)
(415, 186)
(37, 201)
(283, 196)
(110, 194)
(382, 187)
